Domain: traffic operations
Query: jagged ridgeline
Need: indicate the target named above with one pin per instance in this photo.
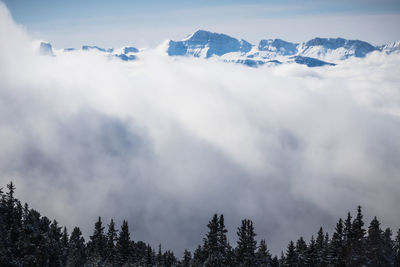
(316, 52)
(29, 239)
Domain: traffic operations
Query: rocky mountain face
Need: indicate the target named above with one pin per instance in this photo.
(204, 44)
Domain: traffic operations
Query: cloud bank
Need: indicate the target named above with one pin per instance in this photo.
(167, 142)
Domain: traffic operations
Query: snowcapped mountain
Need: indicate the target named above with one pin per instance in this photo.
(313, 53)
(335, 48)
(390, 48)
(126, 53)
(207, 44)
(204, 44)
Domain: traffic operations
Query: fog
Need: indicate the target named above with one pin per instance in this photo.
(167, 142)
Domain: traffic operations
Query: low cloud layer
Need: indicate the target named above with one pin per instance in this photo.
(167, 142)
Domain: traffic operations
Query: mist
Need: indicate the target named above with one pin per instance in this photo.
(167, 142)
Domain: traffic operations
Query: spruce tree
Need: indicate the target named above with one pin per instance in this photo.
(312, 253)
(348, 237)
(55, 245)
(123, 245)
(187, 259)
(388, 247)
(358, 258)
(320, 246)
(222, 239)
(396, 249)
(111, 238)
(246, 244)
(76, 250)
(291, 256)
(336, 254)
(211, 243)
(96, 247)
(301, 251)
(374, 245)
(64, 247)
(275, 262)
(263, 255)
(198, 256)
(159, 257)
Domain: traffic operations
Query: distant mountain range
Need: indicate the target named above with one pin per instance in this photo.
(204, 44)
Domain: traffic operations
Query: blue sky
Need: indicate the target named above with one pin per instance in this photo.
(147, 23)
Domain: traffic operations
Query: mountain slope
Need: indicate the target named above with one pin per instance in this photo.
(204, 44)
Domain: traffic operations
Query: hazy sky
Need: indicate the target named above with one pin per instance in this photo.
(147, 23)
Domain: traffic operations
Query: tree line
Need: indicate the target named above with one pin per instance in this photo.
(29, 239)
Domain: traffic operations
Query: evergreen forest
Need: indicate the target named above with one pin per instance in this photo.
(29, 239)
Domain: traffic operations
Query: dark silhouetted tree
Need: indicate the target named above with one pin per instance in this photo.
(246, 244)
(76, 250)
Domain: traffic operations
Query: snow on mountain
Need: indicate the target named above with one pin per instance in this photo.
(46, 49)
(206, 44)
(335, 48)
(270, 52)
(277, 47)
(310, 62)
(390, 48)
(88, 47)
(126, 53)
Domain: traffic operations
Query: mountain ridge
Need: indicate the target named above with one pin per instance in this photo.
(206, 44)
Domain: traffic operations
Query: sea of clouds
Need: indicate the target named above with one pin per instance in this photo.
(167, 142)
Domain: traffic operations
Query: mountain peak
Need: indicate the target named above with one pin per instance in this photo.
(355, 48)
(46, 49)
(207, 44)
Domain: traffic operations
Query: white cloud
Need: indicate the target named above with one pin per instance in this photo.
(167, 142)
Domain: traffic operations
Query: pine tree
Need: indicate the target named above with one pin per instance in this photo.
(169, 259)
(301, 251)
(96, 247)
(396, 249)
(211, 243)
(187, 259)
(111, 238)
(374, 246)
(76, 250)
(275, 262)
(320, 248)
(312, 253)
(198, 257)
(291, 256)
(159, 257)
(358, 258)
(336, 254)
(263, 255)
(64, 247)
(55, 245)
(123, 245)
(246, 244)
(222, 239)
(388, 247)
(230, 256)
(348, 237)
